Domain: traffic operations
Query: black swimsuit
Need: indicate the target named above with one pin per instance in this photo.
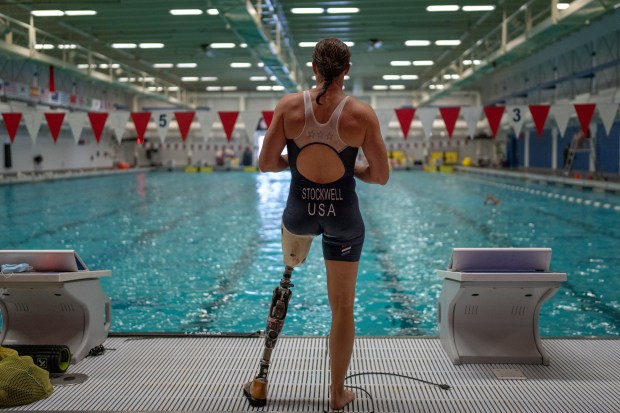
(330, 209)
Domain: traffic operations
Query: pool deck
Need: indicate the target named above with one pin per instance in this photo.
(205, 373)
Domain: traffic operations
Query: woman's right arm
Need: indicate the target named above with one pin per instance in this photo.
(270, 158)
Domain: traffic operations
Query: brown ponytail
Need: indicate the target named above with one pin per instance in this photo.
(331, 57)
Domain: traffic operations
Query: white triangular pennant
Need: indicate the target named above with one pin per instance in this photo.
(516, 115)
(76, 121)
(427, 117)
(33, 120)
(206, 122)
(385, 117)
(471, 115)
(118, 123)
(607, 112)
(162, 120)
(562, 114)
(250, 120)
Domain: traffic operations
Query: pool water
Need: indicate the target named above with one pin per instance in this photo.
(201, 252)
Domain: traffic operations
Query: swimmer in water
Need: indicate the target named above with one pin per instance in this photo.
(490, 199)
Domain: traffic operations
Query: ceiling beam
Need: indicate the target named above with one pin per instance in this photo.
(269, 44)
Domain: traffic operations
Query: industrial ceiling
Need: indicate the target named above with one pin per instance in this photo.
(243, 46)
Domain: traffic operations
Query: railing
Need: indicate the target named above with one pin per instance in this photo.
(28, 41)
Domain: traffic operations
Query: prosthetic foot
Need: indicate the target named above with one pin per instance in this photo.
(295, 250)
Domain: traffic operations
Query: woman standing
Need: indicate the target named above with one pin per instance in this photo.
(323, 130)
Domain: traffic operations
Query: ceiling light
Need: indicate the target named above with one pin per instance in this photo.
(258, 78)
(185, 12)
(350, 44)
(240, 65)
(229, 88)
(43, 46)
(379, 87)
(391, 77)
(47, 13)
(189, 79)
(208, 78)
(563, 6)
(409, 77)
(213, 12)
(423, 62)
(124, 45)
(222, 45)
(272, 78)
(243, 45)
(309, 64)
(340, 10)
(417, 43)
(450, 7)
(307, 44)
(277, 88)
(173, 88)
(397, 87)
(307, 10)
(163, 65)
(67, 46)
(106, 66)
(186, 65)
(400, 63)
(151, 45)
(80, 12)
(447, 42)
(263, 88)
(478, 8)
(214, 88)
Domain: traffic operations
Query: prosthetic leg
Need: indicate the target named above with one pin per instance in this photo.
(295, 250)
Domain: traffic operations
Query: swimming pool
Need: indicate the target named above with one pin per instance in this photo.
(201, 252)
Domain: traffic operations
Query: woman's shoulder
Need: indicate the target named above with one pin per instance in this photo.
(291, 100)
(358, 108)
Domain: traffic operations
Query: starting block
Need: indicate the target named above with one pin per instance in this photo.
(59, 302)
(489, 304)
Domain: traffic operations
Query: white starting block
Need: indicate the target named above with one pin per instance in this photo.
(61, 302)
(489, 304)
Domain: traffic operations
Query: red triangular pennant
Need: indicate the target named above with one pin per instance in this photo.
(11, 123)
(585, 111)
(539, 114)
(450, 115)
(184, 119)
(54, 122)
(140, 121)
(494, 117)
(228, 122)
(405, 116)
(97, 122)
(268, 117)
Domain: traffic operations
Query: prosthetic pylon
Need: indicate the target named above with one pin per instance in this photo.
(295, 250)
